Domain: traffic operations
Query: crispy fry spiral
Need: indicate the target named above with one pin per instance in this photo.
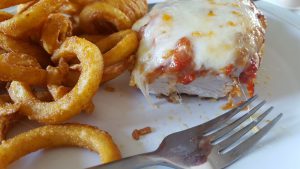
(4, 16)
(49, 74)
(56, 136)
(110, 15)
(73, 102)
(32, 18)
(16, 66)
(55, 31)
(9, 3)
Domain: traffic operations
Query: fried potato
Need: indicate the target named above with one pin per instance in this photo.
(19, 59)
(9, 3)
(83, 2)
(14, 66)
(7, 109)
(125, 44)
(32, 18)
(43, 96)
(73, 102)
(113, 71)
(58, 92)
(10, 44)
(8, 115)
(134, 9)
(55, 31)
(70, 8)
(56, 136)
(111, 15)
(99, 17)
(93, 38)
(4, 16)
(6, 123)
(109, 73)
(57, 74)
(24, 6)
(108, 42)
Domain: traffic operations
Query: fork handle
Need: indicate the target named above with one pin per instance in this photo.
(134, 162)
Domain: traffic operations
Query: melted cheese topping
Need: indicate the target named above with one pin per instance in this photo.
(214, 28)
(211, 25)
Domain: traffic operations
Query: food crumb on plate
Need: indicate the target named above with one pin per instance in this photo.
(137, 133)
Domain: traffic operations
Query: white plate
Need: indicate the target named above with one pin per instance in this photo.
(290, 4)
(126, 109)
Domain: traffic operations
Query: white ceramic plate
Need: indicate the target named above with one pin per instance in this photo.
(124, 110)
(290, 4)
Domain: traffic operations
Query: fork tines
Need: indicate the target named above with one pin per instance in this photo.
(231, 155)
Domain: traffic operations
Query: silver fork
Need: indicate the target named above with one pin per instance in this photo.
(202, 146)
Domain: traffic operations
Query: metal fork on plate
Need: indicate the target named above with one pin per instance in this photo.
(202, 146)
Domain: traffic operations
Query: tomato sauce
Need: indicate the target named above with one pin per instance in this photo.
(249, 73)
(182, 57)
(228, 69)
(248, 76)
(180, 62)
(187, 78)
(229, 105)
(153, 75)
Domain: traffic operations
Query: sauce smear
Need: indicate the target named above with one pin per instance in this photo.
(180, 63)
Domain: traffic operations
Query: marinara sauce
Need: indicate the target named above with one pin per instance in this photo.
(179, 62)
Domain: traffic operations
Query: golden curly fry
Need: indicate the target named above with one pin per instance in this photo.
(93, 38)
(7, 122)
(7, 109)
(108, 42)
(100, 17)
(10, 44)
(118, 47)
(32, 18)
(9, 3)
(134, 9)
(55, 31)
(19, 59)
(56, 136)
(58, 92)
(43, 96)
(113, 71)
(2, 51)
(124, 44)
(24, 6)
(73, 102)
(4, 16)
(57, 74)
(109, 73)
(89, 108)
(70, 8)
(8, 115)
(16, 66)
(83, 2)
(71, 79)
(111, 15)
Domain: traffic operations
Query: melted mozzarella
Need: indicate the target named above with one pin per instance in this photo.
(213, 27)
